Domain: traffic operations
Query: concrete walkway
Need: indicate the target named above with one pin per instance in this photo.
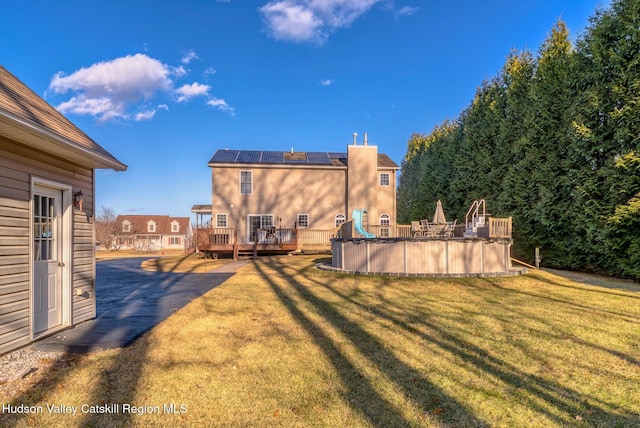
(131, 301)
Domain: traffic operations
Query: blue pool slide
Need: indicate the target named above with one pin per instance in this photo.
(356, 215)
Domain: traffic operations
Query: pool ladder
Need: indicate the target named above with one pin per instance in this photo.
(475, 218)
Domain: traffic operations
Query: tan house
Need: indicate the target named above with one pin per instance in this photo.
(153, 232)
(47, 187)
(255, 191)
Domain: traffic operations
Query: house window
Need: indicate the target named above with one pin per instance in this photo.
(151, 226)
(221, 220)
(175, 226)
(385, 179)
(303, 221)
(126, 226)
(340, 218)
(385, 222)
(174, 240)
(246, 182)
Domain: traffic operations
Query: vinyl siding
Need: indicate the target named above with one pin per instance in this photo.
(84, 307)
(14, 270)
(17, 165)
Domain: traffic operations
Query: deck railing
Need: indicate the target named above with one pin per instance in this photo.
(390, 231)
(276, 236)
(308, 238)
(216, 236)
(500, 227)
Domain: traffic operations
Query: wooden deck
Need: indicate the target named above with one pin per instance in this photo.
(224, 241)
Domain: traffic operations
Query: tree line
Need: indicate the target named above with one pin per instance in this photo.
(553, 140)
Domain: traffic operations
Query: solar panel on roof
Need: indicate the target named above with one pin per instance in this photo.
(337, 155)
(225, 156)
(319, 158)
(272, 157)
(296, 161)
(249, 156)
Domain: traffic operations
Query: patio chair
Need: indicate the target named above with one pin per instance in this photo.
(416, 229)
(428, 229)
(449, 228)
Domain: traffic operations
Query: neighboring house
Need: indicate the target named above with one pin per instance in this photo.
(153, 232)
(254, 190)
(47, 188)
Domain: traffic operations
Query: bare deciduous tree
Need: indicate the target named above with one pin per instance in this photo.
(107, 228)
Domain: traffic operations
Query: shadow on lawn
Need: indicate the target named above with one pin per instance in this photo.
(581, 304)
(361, 394)
(532, 390)
(144, 299)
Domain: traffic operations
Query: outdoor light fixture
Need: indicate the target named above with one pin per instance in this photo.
(77, 199)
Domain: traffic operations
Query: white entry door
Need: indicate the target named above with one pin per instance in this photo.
(47, 253)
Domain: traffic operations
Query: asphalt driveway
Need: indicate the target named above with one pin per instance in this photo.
(130, 301)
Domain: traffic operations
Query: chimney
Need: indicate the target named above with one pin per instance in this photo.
(366, 142)
(355, 139)
(292, 150)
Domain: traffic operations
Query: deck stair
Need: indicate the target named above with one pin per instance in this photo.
(476, 217)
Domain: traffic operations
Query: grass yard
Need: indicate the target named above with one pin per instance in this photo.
(284, 344)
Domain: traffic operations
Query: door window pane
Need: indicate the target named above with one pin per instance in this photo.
(44, 223)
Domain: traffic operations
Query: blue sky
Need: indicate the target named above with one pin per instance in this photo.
(163, 84)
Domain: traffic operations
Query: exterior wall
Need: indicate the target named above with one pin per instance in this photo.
(284, 191)
(17, 166)
(385, 198)
(168, 246)
(362, 180)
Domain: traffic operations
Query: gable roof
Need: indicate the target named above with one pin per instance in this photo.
(264, 157)
(163, 224)
(28, 119)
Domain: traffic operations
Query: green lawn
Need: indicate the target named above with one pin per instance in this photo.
(284, 344)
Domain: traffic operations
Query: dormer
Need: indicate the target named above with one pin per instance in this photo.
(126, 226)
(151, 226)
(175, 226)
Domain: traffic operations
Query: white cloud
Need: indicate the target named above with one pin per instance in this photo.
(289, 21)
(178, 71)
(186, 92)
(190, 56)
(315, 20)
(326, 82)
(406, 11)
(311, 20)
(106, 89)
(221, 105)
(110, 90)
(145, 115)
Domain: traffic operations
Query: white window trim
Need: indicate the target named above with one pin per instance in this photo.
(380, 179)
(126, 226)
(151, 226)
(385, 228)
(308, 221)
(175, 226)
(226, 219)
(240, 182)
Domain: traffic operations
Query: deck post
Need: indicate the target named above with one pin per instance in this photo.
(235, 243)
